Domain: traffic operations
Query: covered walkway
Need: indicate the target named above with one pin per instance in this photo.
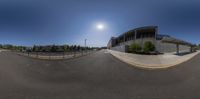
(177, 42)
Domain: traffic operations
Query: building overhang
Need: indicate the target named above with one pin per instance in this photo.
(175, 41)
(145, 29)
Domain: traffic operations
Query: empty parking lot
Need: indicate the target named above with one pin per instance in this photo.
(95, 76)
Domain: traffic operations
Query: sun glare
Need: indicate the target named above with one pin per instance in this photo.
(100, 26)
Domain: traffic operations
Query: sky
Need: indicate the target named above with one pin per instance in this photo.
(44, 22)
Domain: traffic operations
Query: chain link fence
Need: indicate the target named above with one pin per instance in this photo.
(56, 55)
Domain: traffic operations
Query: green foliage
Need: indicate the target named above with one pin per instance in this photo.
(46, 48)
(134, 48)
(53, 48)
(78, 47)
(148, 47)
(35, 48)
(13, 47)
(66, 48)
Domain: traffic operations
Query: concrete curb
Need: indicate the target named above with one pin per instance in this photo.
(150, 66)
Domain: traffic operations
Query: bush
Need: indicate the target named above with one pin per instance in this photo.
(134, 48)
(148, 47)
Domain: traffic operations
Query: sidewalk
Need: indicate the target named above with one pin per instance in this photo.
(152, 61)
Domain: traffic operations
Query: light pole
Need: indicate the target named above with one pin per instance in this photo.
(85, 42)
(85, 45)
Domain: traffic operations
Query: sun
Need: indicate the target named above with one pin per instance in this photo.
(100, 26)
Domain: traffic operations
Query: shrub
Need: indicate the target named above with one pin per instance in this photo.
(134, 48)
(148, 47)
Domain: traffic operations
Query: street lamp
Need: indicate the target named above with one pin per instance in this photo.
(85, 42)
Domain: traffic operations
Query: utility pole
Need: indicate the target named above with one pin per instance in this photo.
(85, 42)
(85, 45)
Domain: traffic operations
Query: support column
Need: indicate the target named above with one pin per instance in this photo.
(177, 48)
(156, 32)
(155, 41)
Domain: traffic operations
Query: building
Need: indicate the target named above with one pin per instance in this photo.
(163, 43)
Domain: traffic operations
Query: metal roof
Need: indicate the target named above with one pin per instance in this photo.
(146, 27)
(139, 28)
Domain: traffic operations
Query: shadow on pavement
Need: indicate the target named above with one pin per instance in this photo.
(183, 53)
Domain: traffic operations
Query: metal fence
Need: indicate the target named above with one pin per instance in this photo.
(56, 55)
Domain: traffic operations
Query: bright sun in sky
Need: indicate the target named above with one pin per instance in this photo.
(100, 26)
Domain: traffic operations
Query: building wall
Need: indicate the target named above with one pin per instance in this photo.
(142, 35)
(143, 40)
(121, 48)
(111, 43)
(184, 48)
(168, 47)
(160, 47)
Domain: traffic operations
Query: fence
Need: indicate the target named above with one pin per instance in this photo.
(56, 55)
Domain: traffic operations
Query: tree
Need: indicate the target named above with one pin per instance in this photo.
(1, 46)
(34, 48)
(66, 48)
(53, 48)
(78, 47)
(134, 48)
(148, 47)
(8, 46)
(74, 48)
(19, 48)
(59, 48)
(71, 47)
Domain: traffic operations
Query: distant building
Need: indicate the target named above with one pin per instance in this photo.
(163, 43)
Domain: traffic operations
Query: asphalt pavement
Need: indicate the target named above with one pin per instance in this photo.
(95, 76)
